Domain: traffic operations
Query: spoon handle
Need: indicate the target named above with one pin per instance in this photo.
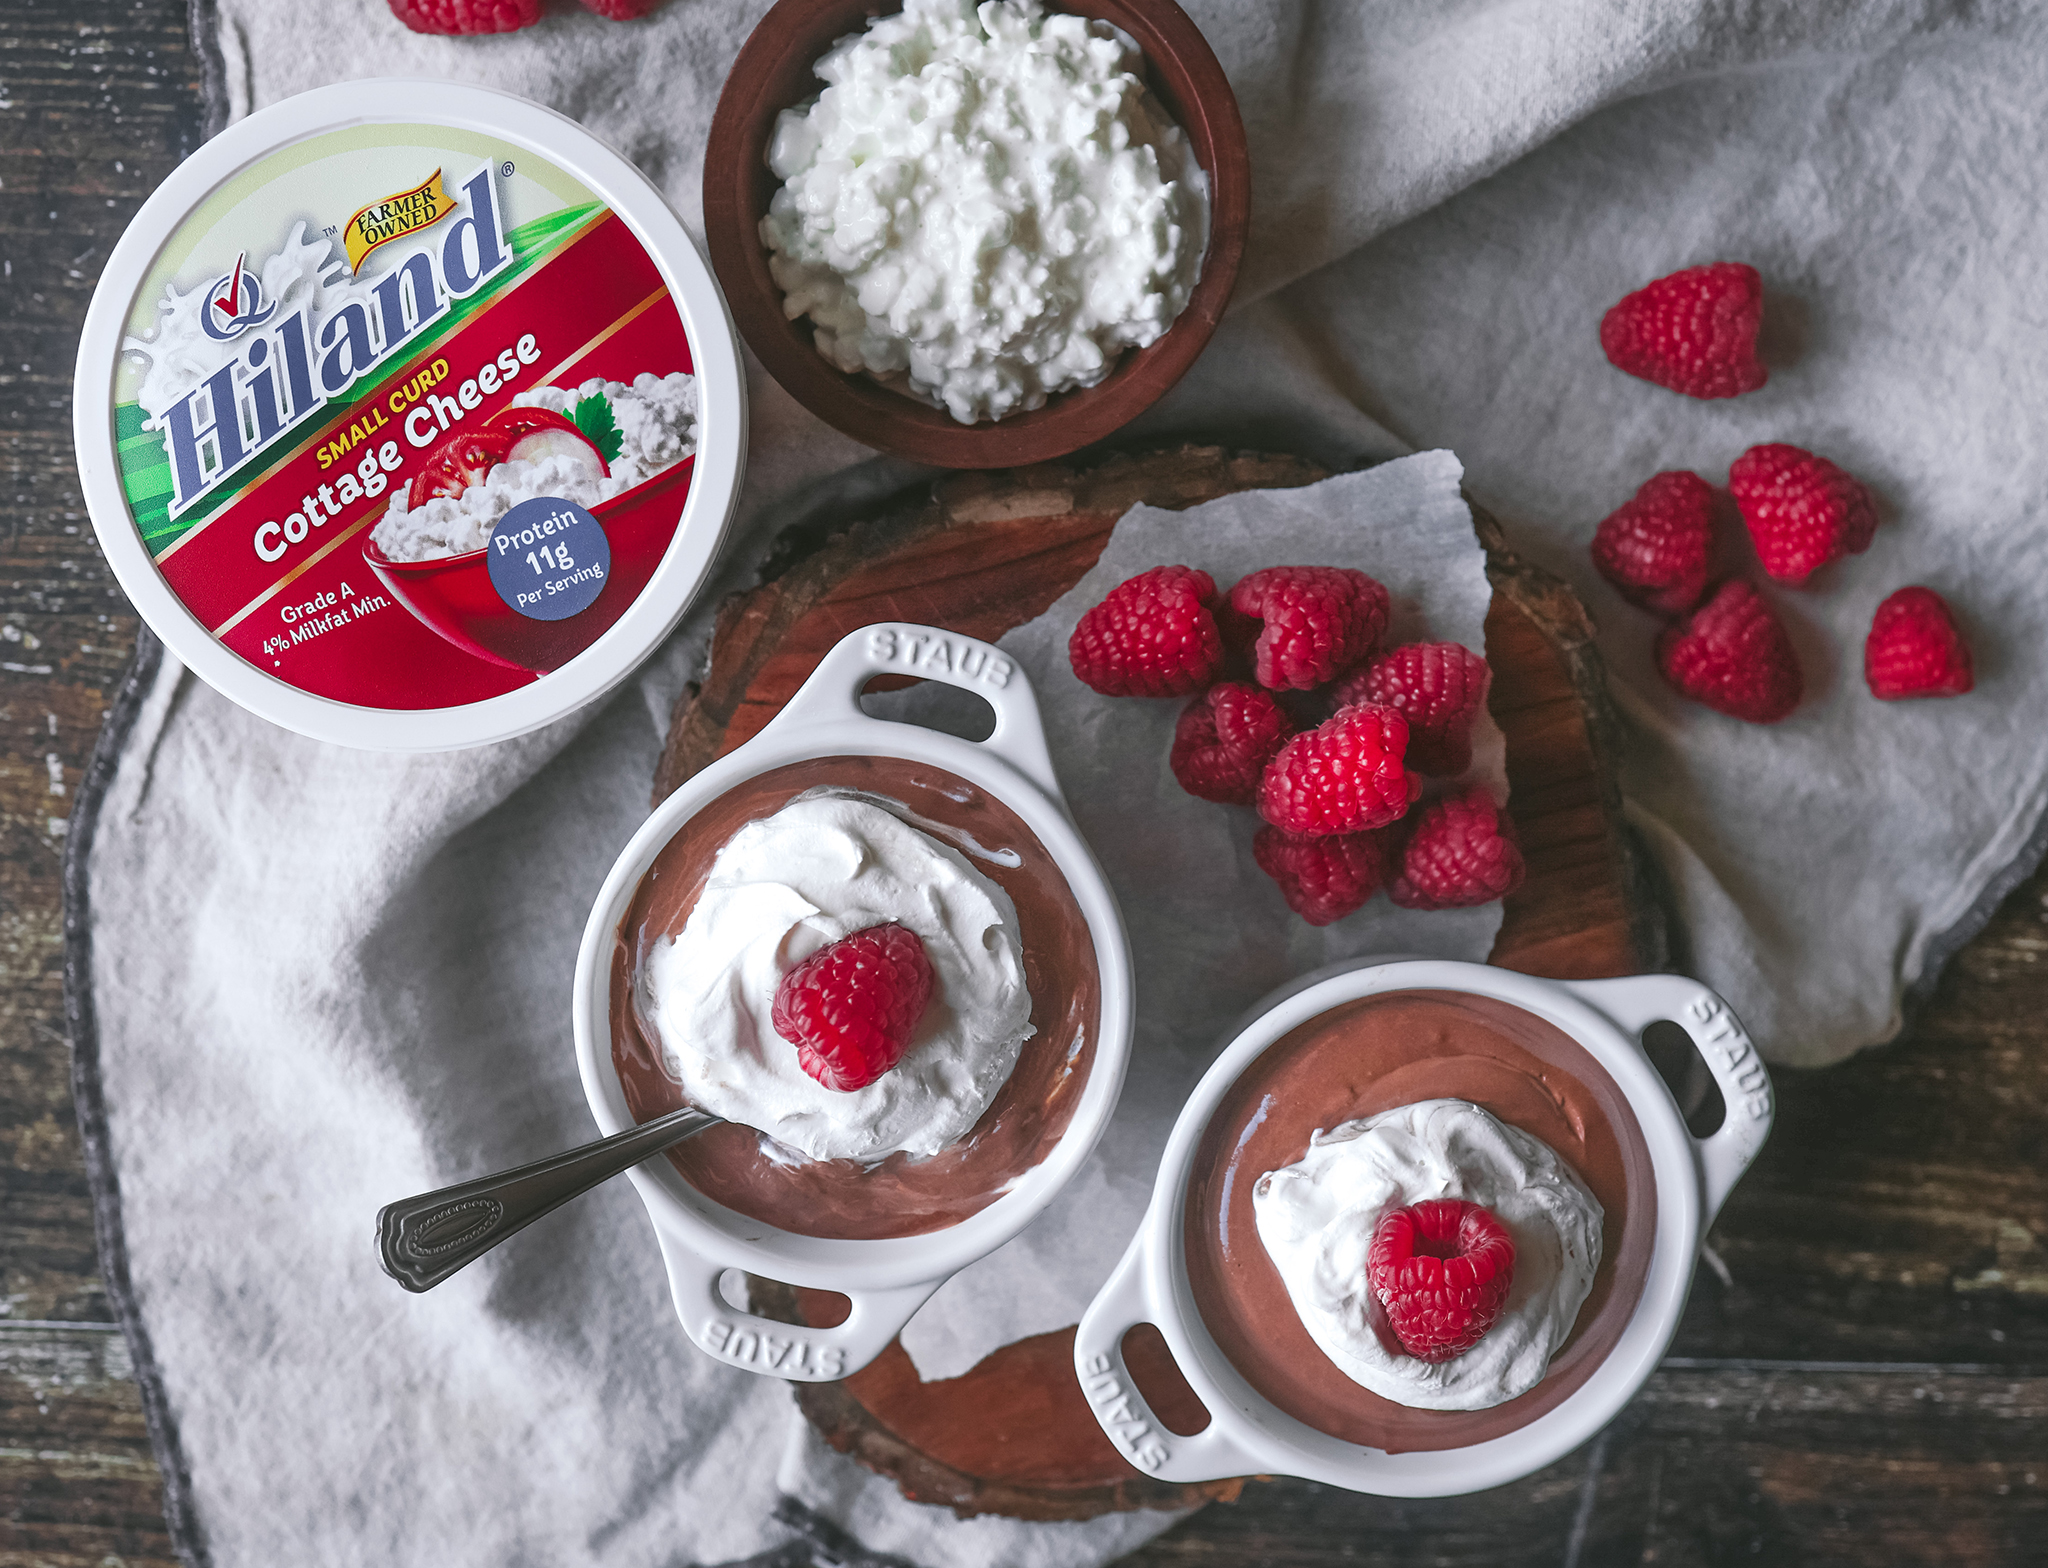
(423, 1240)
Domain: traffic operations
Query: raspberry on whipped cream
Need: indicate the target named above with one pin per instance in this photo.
(786, 886)
(1318, 1216)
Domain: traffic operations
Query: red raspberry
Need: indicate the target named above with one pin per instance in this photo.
(1915, 650)
(1318, 620)
(1694, 331)
(1322, 879)
(621, 10)
(1654, 548)
(1802, 510)
(1345, 776)
(1440, 1270)
(849, 1008)
(1224, 740)
(1461, 851)
(1437, 687)
(466, 16)
(1153, 636)
(1733, 655)
(1240, 634)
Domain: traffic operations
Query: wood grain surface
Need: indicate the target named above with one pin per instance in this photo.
(1861, 1377)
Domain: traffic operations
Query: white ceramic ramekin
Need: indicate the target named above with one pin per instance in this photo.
(887, 1280)
(1247, 1434)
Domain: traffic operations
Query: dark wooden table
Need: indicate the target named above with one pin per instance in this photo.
(1862, 1375)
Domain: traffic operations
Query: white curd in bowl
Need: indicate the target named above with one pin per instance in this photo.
(985, 206)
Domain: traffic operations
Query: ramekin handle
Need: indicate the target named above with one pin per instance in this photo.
(1112, 1393)
(1724, 1045)
(790, 1350)
(928, 653)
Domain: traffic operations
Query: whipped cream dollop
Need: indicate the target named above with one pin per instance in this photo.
(656, 417)
(824, 866)
(1317, 1217)
(985, 205)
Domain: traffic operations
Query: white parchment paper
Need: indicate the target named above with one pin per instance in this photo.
(1209, 930)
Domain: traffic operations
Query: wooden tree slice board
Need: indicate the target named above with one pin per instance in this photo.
(983, 554)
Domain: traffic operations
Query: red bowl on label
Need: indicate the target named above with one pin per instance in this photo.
(454, 596)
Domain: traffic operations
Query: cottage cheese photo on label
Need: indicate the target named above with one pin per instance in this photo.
(648, 427)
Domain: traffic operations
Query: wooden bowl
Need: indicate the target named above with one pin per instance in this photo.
(773, 73)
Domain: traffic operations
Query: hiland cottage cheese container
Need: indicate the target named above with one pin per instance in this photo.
(408, 415)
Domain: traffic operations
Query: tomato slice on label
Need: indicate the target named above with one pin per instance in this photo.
(531, 434)
(464, 459)
(511, 435)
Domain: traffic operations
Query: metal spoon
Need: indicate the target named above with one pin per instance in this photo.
(423, 1240)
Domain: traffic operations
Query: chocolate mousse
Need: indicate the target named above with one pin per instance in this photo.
(1375, 1055)
(899, 1195)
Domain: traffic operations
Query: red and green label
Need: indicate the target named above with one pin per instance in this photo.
(358, 313)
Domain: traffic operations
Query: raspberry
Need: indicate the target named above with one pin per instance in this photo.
(1461, 852)
(621, 10)
(1802, 511)
(1733, 655)
(1240, 634)
(1694, 331)
(1654, 547)
(1440, 1270)
(1224, 740)
(850, 1007)
(1322, 879)
(1437, 687)
(466, 16)
(1318, 620)
(1345, 776)
(1152, 636)
(1915, 650)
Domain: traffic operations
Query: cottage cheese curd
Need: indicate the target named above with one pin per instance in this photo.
(984, 206)
(657, 421)
(824, 866)
(1317, 1217)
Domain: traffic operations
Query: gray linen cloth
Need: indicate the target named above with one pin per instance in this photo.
(1447, 197)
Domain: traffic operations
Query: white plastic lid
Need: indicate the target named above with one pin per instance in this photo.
(456, 339)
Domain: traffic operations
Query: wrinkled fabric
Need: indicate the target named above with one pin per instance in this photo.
(326, 979)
